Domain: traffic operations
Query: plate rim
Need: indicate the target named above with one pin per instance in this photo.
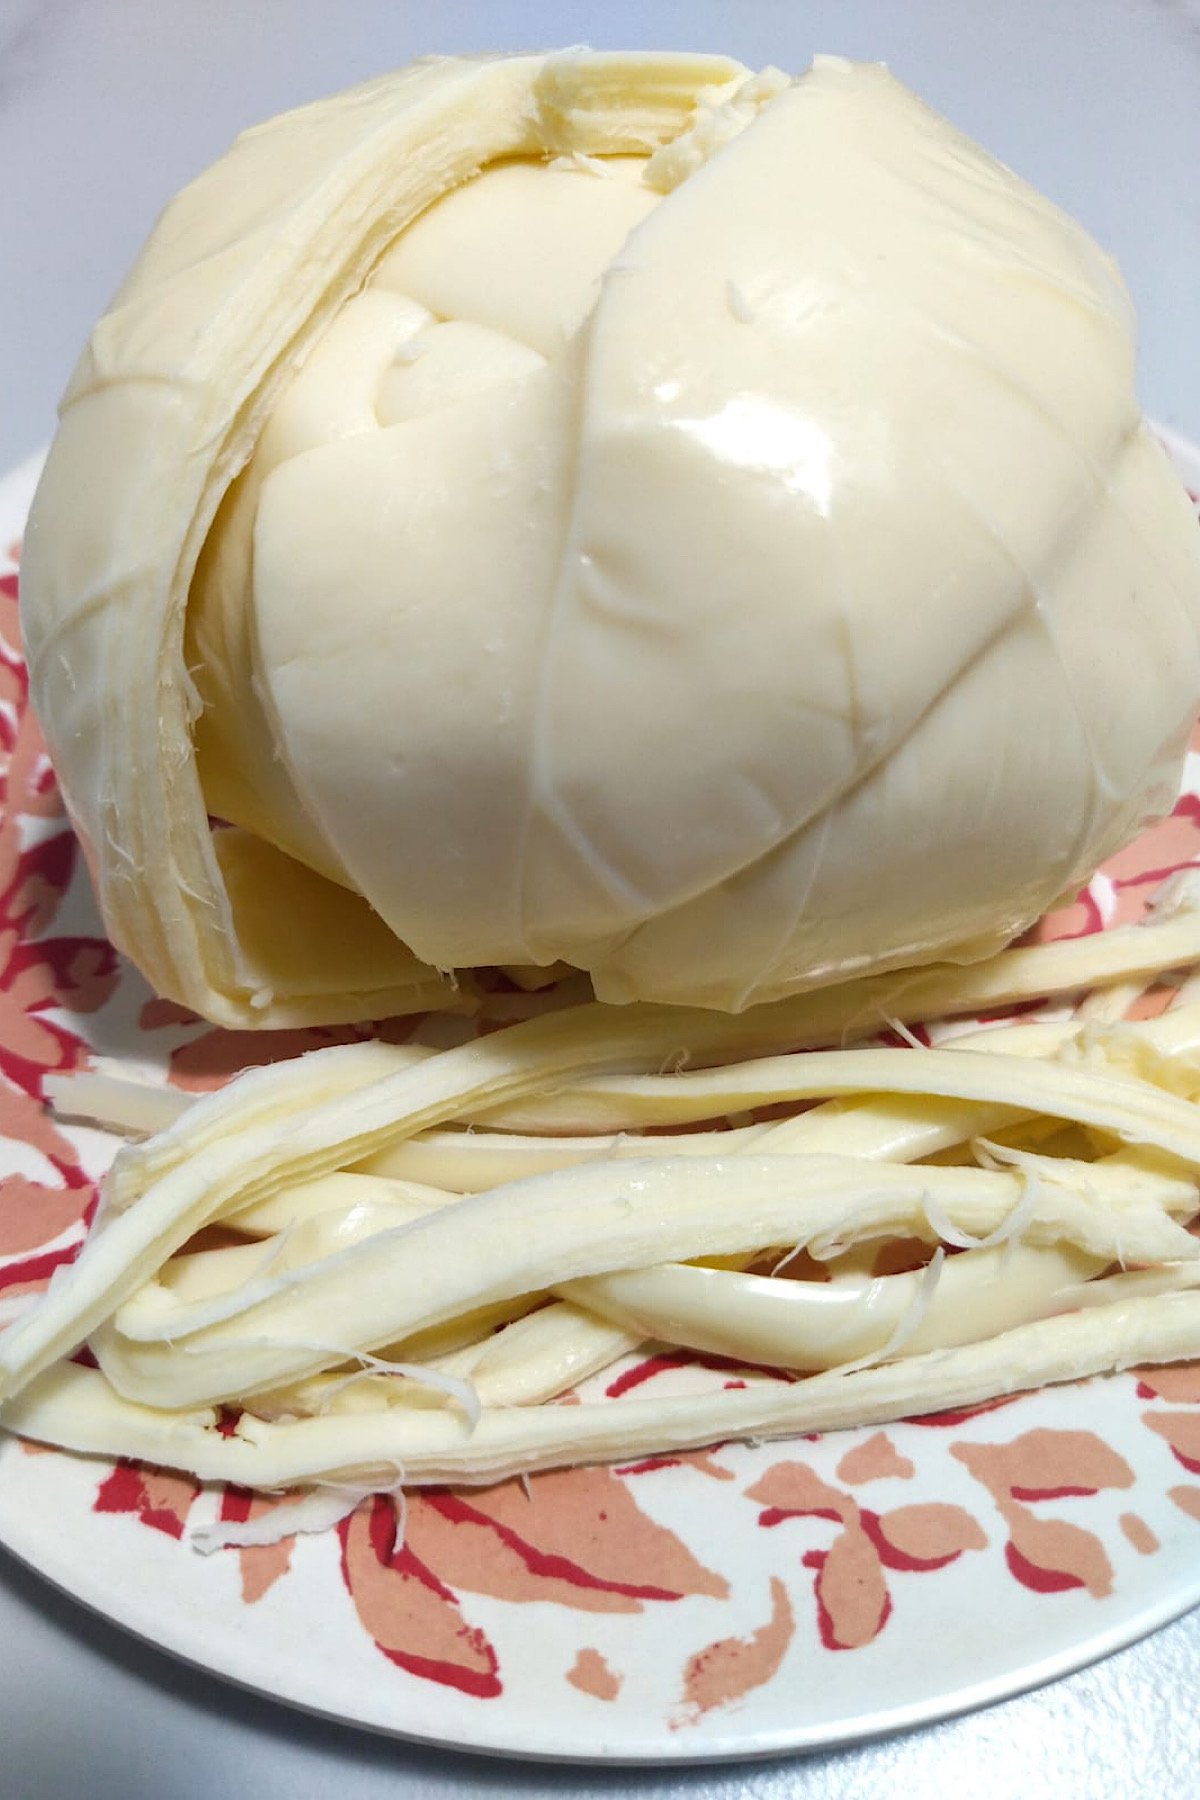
(757, 1745)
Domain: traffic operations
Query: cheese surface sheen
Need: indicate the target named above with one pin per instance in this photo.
(693, 526)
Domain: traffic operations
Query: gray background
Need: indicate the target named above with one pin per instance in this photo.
(106, 106)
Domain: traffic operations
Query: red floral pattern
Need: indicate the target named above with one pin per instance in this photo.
(40, 977)
(850, 1587)
(415, 1619)
(1049, 1554)
(157, 1497)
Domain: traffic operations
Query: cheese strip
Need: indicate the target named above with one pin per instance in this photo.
(812, 1325)
(1128, 1109)
(191, 1176)
(74, 1408)
(844, 1012)
(582, 1221)
(541, 1355)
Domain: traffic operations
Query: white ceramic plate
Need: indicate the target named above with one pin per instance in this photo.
(729, 1604)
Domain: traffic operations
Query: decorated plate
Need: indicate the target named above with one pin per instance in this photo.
(730, 1603)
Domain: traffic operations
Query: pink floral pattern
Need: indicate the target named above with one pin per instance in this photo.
(850, 1567)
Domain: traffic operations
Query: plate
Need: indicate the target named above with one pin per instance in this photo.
(733, 1603)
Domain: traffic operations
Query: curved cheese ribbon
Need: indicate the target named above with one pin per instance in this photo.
(75, 1408)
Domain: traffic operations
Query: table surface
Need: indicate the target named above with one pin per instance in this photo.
(107, 106)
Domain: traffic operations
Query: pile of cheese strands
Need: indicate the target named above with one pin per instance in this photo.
(420, 1252)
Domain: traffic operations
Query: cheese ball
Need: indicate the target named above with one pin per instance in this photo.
(621, 512)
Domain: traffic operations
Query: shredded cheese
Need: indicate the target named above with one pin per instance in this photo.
(417, 1264)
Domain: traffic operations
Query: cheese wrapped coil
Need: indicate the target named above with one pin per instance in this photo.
(611, 510)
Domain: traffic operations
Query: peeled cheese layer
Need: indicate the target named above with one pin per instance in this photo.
(605, 510)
